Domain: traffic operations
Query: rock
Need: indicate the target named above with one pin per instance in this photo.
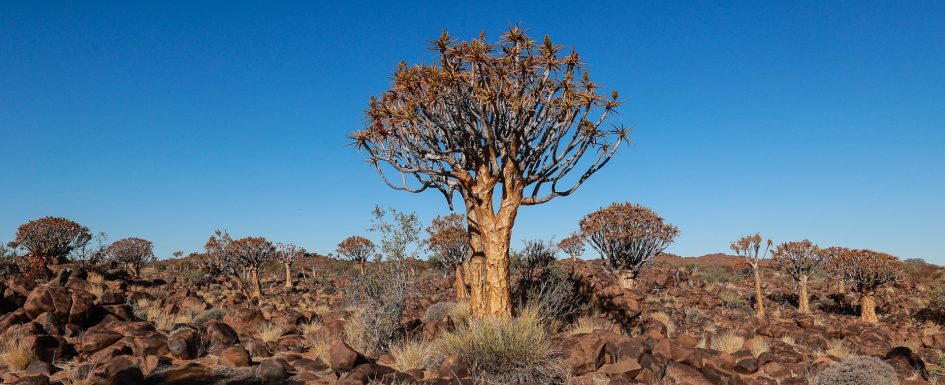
(343, 358)
(94, 340)
(272, 370)
(582, 353)
(234, 357)
(152, 363)
(244, 320)
(190, 374)
(32, 380)
(365, 373)
(685, 375)
(906, 362)
(629, 366)
(42, 347)
(127, 376)
(453, 367)
(220, 335)
(307, 365)
(184, 344)
(66, 305)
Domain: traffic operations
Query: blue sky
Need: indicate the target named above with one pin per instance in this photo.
(819, 120)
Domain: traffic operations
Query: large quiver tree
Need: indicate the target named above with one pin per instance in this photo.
(49, 240)
(865, 271)
(799, 260)
(132, 252)
(628, 236)
(502, 124)
(749, 249)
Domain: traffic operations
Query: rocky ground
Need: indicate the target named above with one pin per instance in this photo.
(689, 321)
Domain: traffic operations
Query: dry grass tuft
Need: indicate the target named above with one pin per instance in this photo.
(413, 354)
(789, 340)
(728, 342)
(14, 354)
(269, 332)
(587, 324)
(664, 319)
(838, 349)
(505, 351)
(759, 345)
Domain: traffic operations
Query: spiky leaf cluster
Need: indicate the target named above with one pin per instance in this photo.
(134, 251)
(749, 249)
(356, 248)
(798, 259)
(51, 237)
(449, 240)
(865, 270)
(573, 245)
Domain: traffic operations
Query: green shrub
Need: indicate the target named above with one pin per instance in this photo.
(858, 370)
(505, 351)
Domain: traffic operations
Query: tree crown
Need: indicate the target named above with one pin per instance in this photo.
(749, 248)
(798, 259)
(573, 245)
(51, 237)
(448, 239)
(628, 235)
(252, 251)
(356, 248)
(865, 270)
(515, 113)
(131, 250)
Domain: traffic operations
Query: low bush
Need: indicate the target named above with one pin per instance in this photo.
(587, 324)
(269, 332)
(858, 370)
(14, 354)
(727, 342)
(505, 351)
(438, 311)
(209, 315)
(412, 354)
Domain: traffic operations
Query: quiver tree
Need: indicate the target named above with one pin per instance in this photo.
(132, 252)
(449, 242)
(573, 246)
(749, 249)
(830, 256)
(865, 271)
(628, 236)
(799, 259)
(357, 249)
(287, 254)
(251, 253)
(219, 259)
(503, 125)
(49, 240)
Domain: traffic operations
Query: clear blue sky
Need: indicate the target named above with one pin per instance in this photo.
(819, 120)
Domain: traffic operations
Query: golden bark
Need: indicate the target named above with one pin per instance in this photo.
(868, 308)
(134, 270)
(459, 283)
(759, 295)
(803, 299)
(625, 279)
(361, 266)
(257, 287)
(288, 276)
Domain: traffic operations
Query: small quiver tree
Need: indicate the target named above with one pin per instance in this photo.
(573, 246)
(449, 242)
(219, 260)
(865, 271)
(799, 260)
(251, 253)
(749, 249)
(504, 125)
(287, 254)
(628, 236)
(49, 240)
(358, 249)
(831, 255)
(131, 252)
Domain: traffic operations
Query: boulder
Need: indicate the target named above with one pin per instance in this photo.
(344, 358)
(234, 357)
(273, 370)
(185, 344)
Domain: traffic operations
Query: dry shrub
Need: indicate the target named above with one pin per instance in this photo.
(505, 351)
(858, 370)
(838, 349)
(312, 327)
(412, 354)
(269, 332)
(728, 342)
(14, 354)
(460, 312)
(759, 345)
(789, 340)
(438, 311)
(209, 314)
(664, 319)
(587, 324)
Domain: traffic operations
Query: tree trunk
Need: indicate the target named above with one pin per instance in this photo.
(288, 276)
(257, 287)
(459, 283)
(490, 235)
(841, 288)
(803, 301)
(361, 266)
(759, 295)
(135, 272)
(626, 279)
(868, 308)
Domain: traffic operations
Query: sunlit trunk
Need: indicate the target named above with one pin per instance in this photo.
(361, 266)
(803, 300)
(626, 279)
(133, 268)
(759, 295)
(288, 276)
(490, 237)
(459, 283)
(868, 308)
(257, 287)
